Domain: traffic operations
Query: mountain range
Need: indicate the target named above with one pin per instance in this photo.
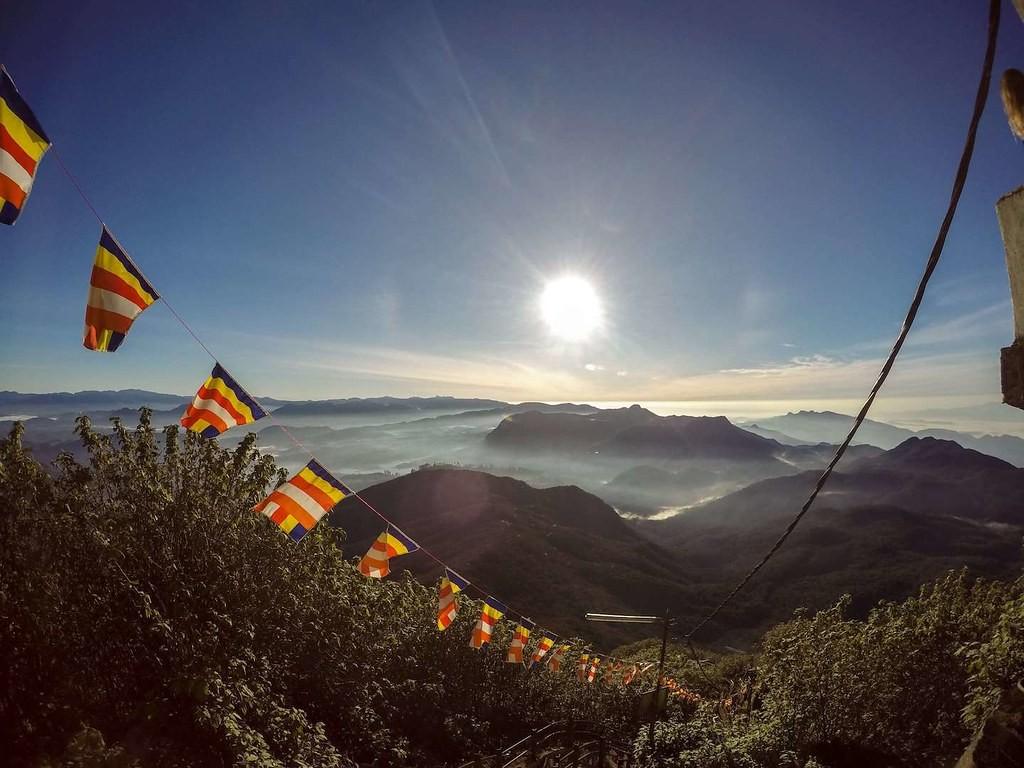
(552, 553)
(826, 426)
(558, 553)
(567, 508)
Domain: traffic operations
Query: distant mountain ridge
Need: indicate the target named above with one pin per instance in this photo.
(362, 405)
(827, 426)
(556, 553)
(883, 525)
(632, 431)
(926, 475)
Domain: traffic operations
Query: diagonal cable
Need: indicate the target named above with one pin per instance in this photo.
(933, 259)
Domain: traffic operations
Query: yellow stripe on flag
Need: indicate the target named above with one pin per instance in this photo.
(224, 389)
(108, 261)
(31, 142)
(316, 481)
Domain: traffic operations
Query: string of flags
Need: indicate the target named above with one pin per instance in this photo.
(119, 292)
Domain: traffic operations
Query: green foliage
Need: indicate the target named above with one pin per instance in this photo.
(895, 684)
(996, 664)
(149, 617)
(906, 687)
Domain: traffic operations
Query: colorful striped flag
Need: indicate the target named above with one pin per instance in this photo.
(489, 616)
(555, 659)
(22, 145)
(297, 505)
(581, 670)
(447, 605)
(630, 674)
(391, 543)
(594, 664)
(546, 641)
(117, 294)
(219, 405)
(519, 641)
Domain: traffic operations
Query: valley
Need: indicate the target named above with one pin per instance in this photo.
(565, 508)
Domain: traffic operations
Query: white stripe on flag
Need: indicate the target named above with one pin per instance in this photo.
(112, 302)
(216, 408)
(304, 501)
(14, 171)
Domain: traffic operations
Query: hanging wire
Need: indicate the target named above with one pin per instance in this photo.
(510, 612)
(933, 259)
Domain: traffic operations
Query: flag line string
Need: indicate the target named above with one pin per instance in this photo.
(481, 591)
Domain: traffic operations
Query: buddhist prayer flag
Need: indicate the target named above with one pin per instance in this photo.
(519, 640)
(22, 145)
(117, 294)
(581, 670)
(219, 405)
(489, 616)
(297, 505)
(391, 543)
(542, 648)
(555, 659)
(630, 674)
(594, 664)
(447, 605)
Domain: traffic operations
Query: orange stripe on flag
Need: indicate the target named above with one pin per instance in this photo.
(11, 192)
(108, 321)
(293, 508)
(223, 402)
(195, 415)
(313, 492)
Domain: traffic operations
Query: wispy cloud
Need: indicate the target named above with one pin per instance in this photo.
(976, 324)
(944, 360)
(952, 374)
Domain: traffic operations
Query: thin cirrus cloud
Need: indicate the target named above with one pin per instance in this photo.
(942, 358)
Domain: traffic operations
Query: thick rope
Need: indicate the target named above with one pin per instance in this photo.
(940, 240)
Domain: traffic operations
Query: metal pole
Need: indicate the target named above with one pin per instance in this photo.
(661, 672)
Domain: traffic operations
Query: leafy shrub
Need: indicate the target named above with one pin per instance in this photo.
(147, 615)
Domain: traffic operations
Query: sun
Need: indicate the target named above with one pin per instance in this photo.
(571, 308)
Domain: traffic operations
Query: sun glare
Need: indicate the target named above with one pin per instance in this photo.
(571, 308)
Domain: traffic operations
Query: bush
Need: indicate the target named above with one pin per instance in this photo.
(906, 687)
(148, 615)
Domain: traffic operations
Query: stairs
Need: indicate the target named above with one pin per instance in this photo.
(563, 744)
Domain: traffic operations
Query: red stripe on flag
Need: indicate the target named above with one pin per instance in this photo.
(108, 281)
(12, 148)
(222, 401)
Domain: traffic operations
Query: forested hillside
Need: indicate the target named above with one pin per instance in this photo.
(150, 618)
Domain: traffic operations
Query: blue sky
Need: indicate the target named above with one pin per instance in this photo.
(360, 198)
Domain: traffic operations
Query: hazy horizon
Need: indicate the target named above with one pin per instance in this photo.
(971, 415)
(745, 198)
